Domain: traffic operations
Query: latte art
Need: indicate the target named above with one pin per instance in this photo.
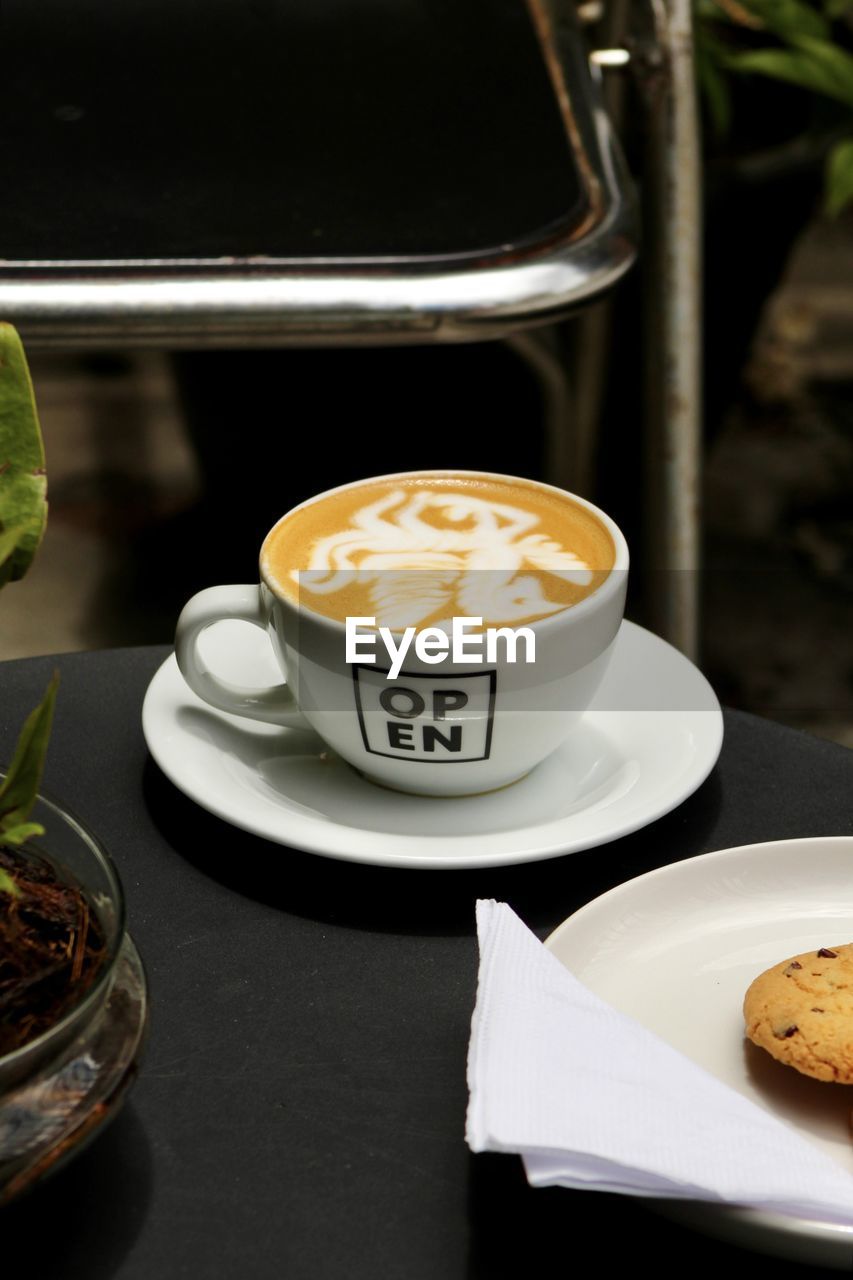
(419, 550)
(412, 567)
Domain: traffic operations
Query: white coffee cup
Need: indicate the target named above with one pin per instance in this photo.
(457, 729)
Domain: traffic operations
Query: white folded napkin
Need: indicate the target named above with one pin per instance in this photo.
(592, 1099)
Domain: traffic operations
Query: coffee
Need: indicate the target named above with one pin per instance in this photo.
(418, 549)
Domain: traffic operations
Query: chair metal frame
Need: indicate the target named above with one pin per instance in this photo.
(514, 292)
(266, 302)
(658, 37)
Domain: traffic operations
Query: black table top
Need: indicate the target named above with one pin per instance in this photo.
(301, 1108)
(298, 129)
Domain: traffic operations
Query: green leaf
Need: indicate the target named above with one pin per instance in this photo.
(20, 787)
(812, 64)
(715, 90)
(23, 486)
(839, 177)
(9, 539)
(790, 18)
(837, 8)
(7, 884)
(21, 832)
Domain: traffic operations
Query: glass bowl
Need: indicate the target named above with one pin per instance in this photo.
(59, 1089)
(78, 857)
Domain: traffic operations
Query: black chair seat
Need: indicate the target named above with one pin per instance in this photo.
(221, 142)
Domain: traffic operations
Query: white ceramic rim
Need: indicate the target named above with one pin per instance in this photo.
(762, 1220)
(594, 600)
(418, 851)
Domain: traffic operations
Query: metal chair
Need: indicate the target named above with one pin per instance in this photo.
(345, 173)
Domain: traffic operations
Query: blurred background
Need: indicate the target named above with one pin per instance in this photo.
(165, 469)
(130, 535)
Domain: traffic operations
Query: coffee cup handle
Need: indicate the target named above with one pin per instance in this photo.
(274, 704)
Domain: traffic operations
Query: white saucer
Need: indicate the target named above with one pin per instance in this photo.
(651, 737)
(677, 948)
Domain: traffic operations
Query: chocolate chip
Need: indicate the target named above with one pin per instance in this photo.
(793, 965)
(827, 954)
(785, 1033)
(815, 1009)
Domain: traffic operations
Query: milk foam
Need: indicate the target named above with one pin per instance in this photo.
(425, 553)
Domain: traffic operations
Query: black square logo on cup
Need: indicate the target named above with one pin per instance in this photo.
(441, 719)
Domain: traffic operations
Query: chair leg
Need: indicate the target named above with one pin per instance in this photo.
(569, 362)
(672, 328)
(572, 379)
(540, 351)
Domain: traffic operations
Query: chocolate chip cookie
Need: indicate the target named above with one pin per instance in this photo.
(801, 1012)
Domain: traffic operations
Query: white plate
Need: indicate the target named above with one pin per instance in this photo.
(651, 737)
(677, 948)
